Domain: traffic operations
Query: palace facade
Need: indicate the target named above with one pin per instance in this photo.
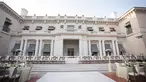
(72, 35)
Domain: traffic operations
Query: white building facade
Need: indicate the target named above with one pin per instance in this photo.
(71, 35)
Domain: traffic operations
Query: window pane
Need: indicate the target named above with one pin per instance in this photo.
(26, 28)
(7, 23)
(70, 27)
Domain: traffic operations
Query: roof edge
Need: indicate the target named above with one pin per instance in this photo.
(130, 10)
(9, 8)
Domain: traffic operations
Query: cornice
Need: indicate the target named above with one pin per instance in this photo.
(70, 21)
(129, 12)
(10, 11)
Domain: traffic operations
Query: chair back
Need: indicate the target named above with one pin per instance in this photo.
(137, 68)
(134, 69)
(25, 74)
(117, 65)
(144, 69)
(12, 71)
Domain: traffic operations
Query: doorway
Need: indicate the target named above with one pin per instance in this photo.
(70, 51)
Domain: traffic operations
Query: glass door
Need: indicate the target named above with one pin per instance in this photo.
(70, 51)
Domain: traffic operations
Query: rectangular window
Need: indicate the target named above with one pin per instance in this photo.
(128, 28)
(15, 49)
(101, 29)
(26, 28)
(6, 25)
(112, 30)
(94, 49)
(89, 28)
(46, 49)
(31, 49)
(122, 50)
(38, 28)
(70, 27)
(51, 28)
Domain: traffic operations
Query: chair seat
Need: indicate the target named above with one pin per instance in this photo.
(141, 73)
(6, 76)
(132, 74)
(15, 76)
(1, 76)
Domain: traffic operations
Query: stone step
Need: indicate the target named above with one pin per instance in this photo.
(41, 69)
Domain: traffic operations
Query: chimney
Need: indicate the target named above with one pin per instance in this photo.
(24, 12)
(114, 14)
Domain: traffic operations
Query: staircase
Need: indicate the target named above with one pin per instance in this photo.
(41, 69)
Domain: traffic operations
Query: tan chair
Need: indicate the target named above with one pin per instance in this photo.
(121, 71)
(25, 75)
(144, 69)
(13, 75)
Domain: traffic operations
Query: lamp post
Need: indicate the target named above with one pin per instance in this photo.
(109, 64)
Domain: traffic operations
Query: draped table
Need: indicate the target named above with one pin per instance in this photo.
(74, 77)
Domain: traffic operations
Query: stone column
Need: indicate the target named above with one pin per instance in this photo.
(100, 48)
(36, 47)
(58, 46)
(103, 46)
(114, 49)
(80, 47)
(25, 46)
(117, 47)
(40, 48)
(21, 46)
(85, 48)
(51, 54)
(89, 48)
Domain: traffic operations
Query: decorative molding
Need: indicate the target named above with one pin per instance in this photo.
(10, 11)
(129, 12)
(71, 21)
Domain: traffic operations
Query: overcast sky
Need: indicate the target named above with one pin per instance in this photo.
(98, 8)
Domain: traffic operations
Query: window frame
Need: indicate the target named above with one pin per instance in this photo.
(80, 27)
(128, 27)
(70, 27)
(61, 26)
(90, 29)
(7, 24)
(26, 27)
(101, 29)
(112, 29)
(38, 28)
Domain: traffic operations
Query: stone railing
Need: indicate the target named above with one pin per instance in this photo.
(33, 59)
(66, 31)
(81, 59)
(70, 18)
(111, 59)
(121, 34)
(17, 33)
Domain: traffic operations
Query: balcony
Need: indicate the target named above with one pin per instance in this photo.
(15, 33)
(68, 18)
(38, 32)
(122, 35)
(68, 31)
(106, 34)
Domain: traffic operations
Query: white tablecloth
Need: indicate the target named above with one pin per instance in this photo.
(74, 77)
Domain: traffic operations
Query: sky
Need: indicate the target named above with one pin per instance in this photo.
(98, 8)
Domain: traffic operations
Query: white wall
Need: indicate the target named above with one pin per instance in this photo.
(141, 16)
(5, 40)
(132, 44)
(4, 44)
